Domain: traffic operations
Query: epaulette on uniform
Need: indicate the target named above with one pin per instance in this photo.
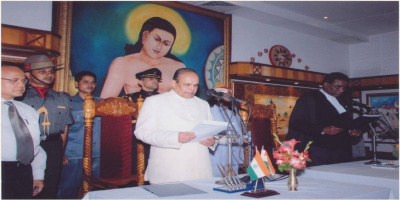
(63, 93)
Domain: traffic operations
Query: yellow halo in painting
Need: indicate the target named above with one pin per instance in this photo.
(141, 13)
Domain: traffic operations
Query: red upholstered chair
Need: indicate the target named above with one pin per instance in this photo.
(263, 122)
(116, 143)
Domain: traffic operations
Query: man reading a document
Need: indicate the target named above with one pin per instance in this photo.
(320, 116)
(165, 122)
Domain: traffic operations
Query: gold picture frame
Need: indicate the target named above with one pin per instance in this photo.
(62, 23)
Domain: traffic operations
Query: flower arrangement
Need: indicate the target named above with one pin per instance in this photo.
(287, 158)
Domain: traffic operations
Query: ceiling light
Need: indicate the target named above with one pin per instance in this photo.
(326, 17)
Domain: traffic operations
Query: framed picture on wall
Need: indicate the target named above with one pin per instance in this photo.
(283, 96)
(386, 104)
(115, 39)
(284, 107)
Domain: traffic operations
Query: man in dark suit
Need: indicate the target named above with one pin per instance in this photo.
(148, 81)
(319, 116)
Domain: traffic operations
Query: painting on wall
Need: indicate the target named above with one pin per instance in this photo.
(284, 107)
(283, 96)
(387, 105)
(102, 31)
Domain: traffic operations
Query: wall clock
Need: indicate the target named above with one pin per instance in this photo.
(280, 56)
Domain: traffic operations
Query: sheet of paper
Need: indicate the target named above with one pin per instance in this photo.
(374, 116)
(362, 122)
(168, 190)
(208, 129)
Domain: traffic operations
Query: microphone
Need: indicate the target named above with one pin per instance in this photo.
(220, 95)
(356, 103)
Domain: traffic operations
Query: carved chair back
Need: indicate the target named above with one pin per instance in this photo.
(121, 109)
(263, 123)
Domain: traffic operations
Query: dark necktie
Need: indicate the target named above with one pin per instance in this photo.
(22, 135)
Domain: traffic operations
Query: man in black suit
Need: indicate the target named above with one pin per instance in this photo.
(148, 81)
(319, 116)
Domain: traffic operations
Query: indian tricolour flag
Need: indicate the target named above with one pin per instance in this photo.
(267, 161)
(257, 167)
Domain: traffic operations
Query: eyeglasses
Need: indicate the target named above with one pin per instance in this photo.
(15, 80)
(338, 87)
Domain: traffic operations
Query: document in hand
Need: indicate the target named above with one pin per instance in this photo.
(207, 129)
(362, 121)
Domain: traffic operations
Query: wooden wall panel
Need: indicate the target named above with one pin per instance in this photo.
(24, 42)
(377, 82)
(282, 75)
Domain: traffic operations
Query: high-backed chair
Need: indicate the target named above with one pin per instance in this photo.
(263, 123)
(116, 143)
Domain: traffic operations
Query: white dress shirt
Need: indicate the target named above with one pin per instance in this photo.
(334, 102)
(161, 119)
(8, 140)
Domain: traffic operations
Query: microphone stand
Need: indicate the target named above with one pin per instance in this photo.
(374, 160)
(369, 110)
(249, 140)
(228, 135)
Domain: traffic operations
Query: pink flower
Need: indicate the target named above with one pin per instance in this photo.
(291, 142)
(279, 162)
(296, 163)
(303, 164)
(281, 148)
(286, 149)
(304, 156)
(277, 155)
(287, 158)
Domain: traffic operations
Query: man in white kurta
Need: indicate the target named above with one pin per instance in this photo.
(165, 122)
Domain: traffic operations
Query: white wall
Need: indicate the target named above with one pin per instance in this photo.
(378, 57)
(249, 37)
(29, 14)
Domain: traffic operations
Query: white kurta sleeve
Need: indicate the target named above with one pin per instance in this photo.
(146, 127)
(210, 117)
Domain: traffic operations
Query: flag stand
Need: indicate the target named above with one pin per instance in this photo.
(255, 188)
(260, 191)
(258, 169)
